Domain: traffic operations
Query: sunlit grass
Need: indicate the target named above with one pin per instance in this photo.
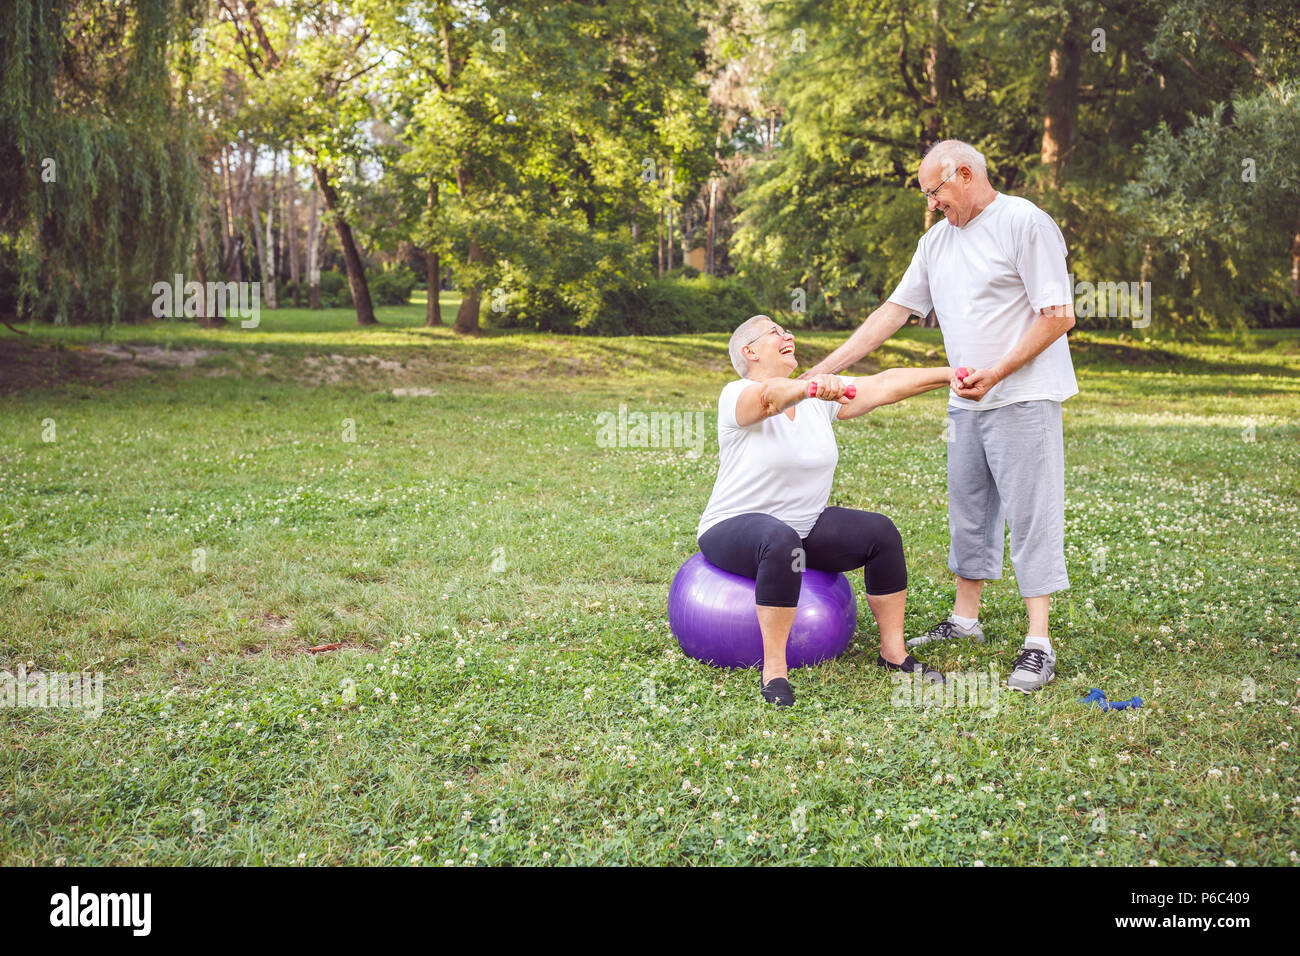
(498, 582)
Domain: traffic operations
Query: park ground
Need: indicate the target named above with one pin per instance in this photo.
(189, 512)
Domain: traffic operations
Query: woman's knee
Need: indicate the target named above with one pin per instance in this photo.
(780, 542)
(884, 530)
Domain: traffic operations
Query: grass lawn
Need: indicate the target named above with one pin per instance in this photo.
(215, 503)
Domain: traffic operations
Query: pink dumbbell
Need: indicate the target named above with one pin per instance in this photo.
(850, 392)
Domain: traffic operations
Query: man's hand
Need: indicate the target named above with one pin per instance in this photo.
(975, 385)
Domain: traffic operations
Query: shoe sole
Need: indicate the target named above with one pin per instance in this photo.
(1031, 690)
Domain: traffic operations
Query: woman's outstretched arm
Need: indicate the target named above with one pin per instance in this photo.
(774, 395)
(893, 385)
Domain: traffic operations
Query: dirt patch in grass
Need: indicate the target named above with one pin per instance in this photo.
(152, 355)
(24, 367)
(275, 623)
(44, 365)
(274, 649)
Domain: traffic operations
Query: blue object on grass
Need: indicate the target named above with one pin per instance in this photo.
(1098, 697)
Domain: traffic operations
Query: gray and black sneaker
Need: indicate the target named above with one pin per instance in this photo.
(946, 631)
(1033, 668)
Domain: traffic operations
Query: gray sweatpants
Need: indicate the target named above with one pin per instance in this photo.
(1008, 464)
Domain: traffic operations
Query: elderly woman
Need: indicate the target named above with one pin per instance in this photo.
(777, 458)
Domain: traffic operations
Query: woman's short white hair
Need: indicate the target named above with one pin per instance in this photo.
(743, 336)
(952, 154)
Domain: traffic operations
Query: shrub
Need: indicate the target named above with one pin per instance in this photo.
(391, 286)
(1271, 311)
(657, 307)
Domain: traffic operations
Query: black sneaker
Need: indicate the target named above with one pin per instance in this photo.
(777, 691)
(911, 665)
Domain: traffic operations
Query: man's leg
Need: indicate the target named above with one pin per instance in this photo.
(1026, 454)
(1039, 609)
(967, 604)
(975, 527)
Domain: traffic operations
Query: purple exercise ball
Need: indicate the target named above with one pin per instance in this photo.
(712, 613)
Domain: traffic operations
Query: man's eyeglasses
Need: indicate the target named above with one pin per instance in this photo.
(929, 193)
(780, 333)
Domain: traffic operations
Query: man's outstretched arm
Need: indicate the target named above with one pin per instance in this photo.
(887, 319)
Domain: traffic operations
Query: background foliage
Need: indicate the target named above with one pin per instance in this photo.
(568, 167)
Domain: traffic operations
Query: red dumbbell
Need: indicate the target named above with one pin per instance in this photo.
(850, 392)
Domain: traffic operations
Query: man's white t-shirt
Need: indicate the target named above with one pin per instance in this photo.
(775, 466)
(986, 282)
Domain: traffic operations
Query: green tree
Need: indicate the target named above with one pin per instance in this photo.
(1217, 197)
(98, 182)
(309, 71)
(553, 128)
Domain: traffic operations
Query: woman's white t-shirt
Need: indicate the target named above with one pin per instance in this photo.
(776, 466)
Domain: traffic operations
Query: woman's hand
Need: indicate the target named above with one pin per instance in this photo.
(830, 388)
(977, 384)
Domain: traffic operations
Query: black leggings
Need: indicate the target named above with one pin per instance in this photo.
(764, 548)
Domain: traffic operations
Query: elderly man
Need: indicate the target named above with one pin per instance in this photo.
(993, 269)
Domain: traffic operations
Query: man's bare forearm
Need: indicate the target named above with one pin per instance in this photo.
(1050, 325)
(887, 319)
(1046, 329)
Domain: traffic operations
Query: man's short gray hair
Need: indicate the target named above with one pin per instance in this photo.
(952, 154)
(743, 336)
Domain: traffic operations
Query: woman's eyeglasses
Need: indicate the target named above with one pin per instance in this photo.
(780, 333)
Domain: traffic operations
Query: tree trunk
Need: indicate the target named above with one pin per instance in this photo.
(351, 255)
(713, 207)
(264, 265)
(670, 219)
(936, 66)
(231, 258)
(1061, 102)
(432, 311)
(313, 253)
(290, 222)
(467, 314)
(1295, 260)
(661, 241)
(268, 279)
(204, 320)
(686, 236)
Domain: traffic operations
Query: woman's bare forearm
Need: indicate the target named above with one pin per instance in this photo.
(896, 384)
(893, 385)
(778, 394)
(767, 398)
